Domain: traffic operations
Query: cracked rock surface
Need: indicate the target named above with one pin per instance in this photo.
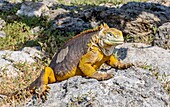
(136, 86)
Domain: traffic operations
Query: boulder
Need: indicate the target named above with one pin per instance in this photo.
(162, 37)
(9, 58)
(30, 9)
(136, 86)
(70, 24)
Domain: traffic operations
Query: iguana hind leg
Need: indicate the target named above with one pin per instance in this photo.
(47, 76)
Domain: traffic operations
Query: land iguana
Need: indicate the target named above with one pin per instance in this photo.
(83, 55)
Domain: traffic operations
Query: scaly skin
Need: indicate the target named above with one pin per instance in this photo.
(83, 55)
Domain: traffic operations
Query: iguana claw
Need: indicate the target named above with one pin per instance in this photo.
(42, 92)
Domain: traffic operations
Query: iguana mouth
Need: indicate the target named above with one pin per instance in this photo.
(111, 42)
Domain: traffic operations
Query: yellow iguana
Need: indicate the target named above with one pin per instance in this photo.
(83, 55)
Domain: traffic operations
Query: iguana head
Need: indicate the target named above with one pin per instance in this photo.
(108, 38)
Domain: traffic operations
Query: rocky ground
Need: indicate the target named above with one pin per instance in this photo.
(147, 84)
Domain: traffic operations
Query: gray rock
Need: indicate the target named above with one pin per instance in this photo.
(144, 21)
(162, 37)
(5, 5)
(36, 30)
(2, 23)
(2, 34)
(47, 2)
(110, 4)
(52, 14)
(149, 57)
(2, 1)
(132, 87)
(163, 2)
(9, 58)
(16, 56)
(70, 24)
(7, 68)
(50, 3)
(137, 18)
(33, 51)
(32, 9)
(13, 1)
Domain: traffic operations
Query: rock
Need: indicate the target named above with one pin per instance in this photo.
(6, 5)
(2, 34)
(110, 4)
(36, 30)
(163, 2)
(32, 9)
(52, 14)
(137, 18)
(9, 58)
(132, 87)
(7, 68)
(50, 3)
(70, 24)
(2, 1)
(162, 37)
(16, 56)
(136, 86)
(13, 1)
(149, 57)
(2, 23)
(33, 51)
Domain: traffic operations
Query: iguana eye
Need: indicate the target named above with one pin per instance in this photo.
(110, 34)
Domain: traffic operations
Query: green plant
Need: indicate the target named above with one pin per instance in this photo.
(33, 21)
(17, 35)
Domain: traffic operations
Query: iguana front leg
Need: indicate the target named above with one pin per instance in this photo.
(114, 62)
(86, 65)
